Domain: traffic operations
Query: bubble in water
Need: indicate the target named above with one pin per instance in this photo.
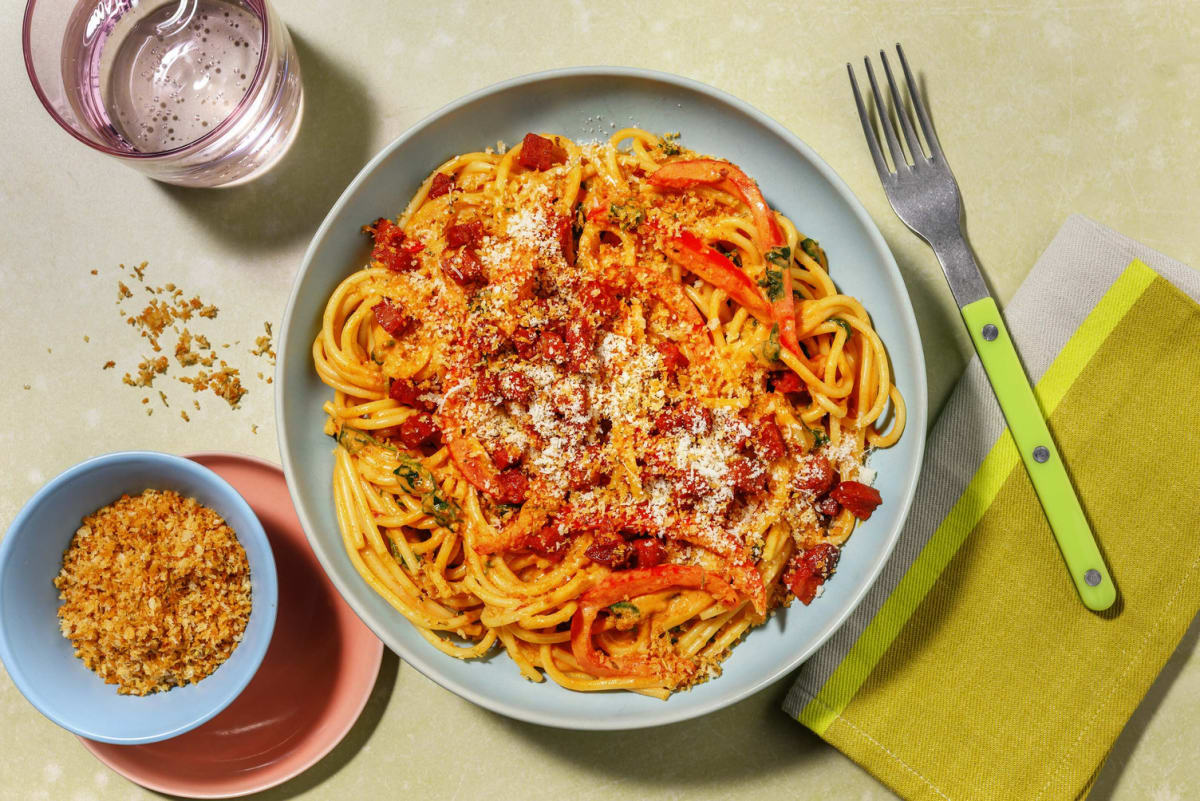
(159, 70)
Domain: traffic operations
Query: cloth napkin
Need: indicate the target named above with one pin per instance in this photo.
(972, 670)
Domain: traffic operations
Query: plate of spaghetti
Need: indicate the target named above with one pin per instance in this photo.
(608, 426)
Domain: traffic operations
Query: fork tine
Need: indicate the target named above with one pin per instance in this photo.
(872, 140)
(910, 135)
(885, 121)
(935, 148)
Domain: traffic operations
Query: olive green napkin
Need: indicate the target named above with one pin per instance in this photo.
(972, 670)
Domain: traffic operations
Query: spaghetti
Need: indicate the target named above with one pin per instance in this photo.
(600, 405)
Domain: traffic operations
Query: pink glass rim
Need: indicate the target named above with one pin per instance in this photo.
(259, 7)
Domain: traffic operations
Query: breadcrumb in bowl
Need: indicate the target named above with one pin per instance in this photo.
(155, 590)
(121, 628)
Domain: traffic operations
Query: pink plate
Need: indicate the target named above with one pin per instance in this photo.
(313, 683)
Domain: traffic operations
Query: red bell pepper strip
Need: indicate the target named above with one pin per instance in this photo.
(623, 586)
(710, 172)
(778, 277)
(474, 463)
(690, 253)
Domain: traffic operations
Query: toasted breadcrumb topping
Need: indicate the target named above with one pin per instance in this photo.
(155, 590)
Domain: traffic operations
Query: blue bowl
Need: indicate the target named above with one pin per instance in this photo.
(42, 662)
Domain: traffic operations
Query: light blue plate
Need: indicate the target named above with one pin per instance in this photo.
(589, 104)
(42, 662)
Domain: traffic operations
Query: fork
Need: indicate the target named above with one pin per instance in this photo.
(926, 198)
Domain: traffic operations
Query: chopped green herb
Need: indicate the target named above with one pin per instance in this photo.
(769, 350)
(624, 608)
(668, 144)
(734, 257)
(417, 481)
(756, 551)
(772, 282)
(819, 437)
(780, 256)
(394, 550)
(354, 440)
(813, 250)
(845, 325)
(626, 215)
(375, 358)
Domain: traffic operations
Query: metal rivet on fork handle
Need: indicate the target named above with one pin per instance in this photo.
(990, 332)
(1092, 577)
(1041, 453)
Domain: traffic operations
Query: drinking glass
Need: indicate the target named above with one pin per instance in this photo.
(190, 92)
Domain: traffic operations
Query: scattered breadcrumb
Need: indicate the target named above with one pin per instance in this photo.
(253, 428)
(196, 403)
(183, 350)
(184, 415)
(86, 338)
(147, 369)
(145, 400)
(108, 365)
(224, 382)
(28, 387)
(262, 347)
(162, 395)
(162, 315)
(95, 272)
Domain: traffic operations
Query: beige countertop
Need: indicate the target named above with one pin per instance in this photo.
(1044, 109)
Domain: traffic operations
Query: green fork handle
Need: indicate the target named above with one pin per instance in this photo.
(1038, 452)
